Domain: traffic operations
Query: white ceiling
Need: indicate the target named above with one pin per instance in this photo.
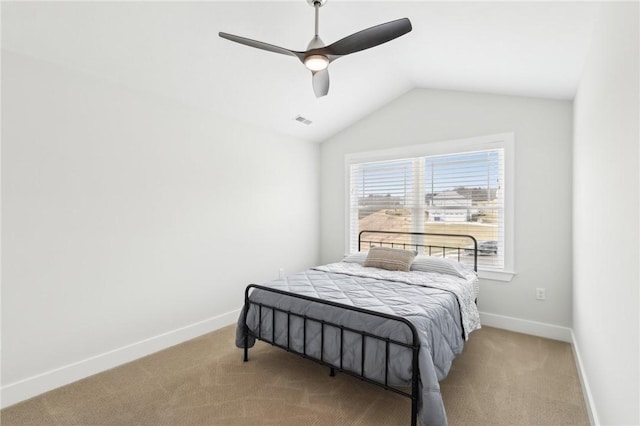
(173, 49)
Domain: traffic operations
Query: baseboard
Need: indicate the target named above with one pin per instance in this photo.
(36, 385)
(586, 390)
(534, 328)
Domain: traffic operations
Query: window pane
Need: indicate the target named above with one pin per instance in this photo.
(463, 195)
(383, 195)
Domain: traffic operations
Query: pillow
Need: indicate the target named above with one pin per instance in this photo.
(441, 265)
(390, 259)
(358, 257)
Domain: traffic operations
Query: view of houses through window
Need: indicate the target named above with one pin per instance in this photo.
(460, 193)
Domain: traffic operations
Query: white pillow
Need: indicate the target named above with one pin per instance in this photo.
(358, 257)
(441, 265)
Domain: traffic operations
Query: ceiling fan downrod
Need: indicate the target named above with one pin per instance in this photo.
(317, 4)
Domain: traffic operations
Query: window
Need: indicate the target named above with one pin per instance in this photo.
(451, 187)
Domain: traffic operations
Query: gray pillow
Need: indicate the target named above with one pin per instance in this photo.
(390, 259)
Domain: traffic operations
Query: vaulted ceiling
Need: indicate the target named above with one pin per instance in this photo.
(172, 49)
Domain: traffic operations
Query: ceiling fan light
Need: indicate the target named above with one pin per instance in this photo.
(316, 62)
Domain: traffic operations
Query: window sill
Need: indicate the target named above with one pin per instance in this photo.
(505, 276)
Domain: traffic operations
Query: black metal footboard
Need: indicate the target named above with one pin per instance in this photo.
(414, 346)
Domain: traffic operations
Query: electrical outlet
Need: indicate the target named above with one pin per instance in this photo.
(541, 293)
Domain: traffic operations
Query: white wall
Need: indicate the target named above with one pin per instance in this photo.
(543, 132)
(126, 216)
(605, 217)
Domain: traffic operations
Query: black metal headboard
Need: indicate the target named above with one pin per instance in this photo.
(447, 245)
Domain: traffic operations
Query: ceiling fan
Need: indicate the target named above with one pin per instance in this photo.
(317, 57)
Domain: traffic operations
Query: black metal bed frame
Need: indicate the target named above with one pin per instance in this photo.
(414, 346)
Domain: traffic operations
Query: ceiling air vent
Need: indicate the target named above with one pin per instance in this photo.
(303, 120)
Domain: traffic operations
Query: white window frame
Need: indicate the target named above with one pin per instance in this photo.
(503, 141)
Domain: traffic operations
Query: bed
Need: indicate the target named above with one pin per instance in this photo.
(399, 330)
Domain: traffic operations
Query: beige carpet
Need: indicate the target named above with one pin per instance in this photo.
(502, 378)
